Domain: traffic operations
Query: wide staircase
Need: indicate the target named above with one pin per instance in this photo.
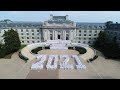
(59, 44)
(58, 47)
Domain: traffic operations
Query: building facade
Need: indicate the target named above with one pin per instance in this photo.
(113, 30)
(56, 28)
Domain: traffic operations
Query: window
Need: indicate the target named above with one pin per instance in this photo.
(37, 30)
(27, 41)
(79, 34)
(84, 42)
(22, 37)
(32, 33)
(84, 34)
(51, 37)
(21, 30)
(95, 34)
(85, 31)
(37, 33)
(89, 34)
(95, 38)
(38, 41)
(32, 37)
(89, 38)
(27, 33)
(80, 31)
(67, 37)
(89, 42)
(32, 30)
(27, 30)
(27, 37)
(21, 33)
(95, 31)
(80, 38)
(84, 38)
(37, 37)
(78, 41)
(33, 41)
(90, 31)
(22, 41)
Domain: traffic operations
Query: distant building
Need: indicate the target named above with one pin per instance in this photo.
(113, 30)
(56, 28)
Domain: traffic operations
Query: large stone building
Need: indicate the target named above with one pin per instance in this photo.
(56, 28)
(113, 30)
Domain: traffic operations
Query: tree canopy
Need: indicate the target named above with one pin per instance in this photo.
(12, 43)
(101, 40)
(109, 47)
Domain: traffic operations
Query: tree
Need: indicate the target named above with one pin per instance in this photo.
(114, 49)
(2, 51)
(101, 41)
(12, 41)
(109, 47)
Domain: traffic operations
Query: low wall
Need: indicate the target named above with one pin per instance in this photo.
(26, 51)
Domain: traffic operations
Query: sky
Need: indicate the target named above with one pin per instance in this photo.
(77, 16)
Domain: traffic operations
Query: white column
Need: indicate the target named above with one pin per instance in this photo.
(55, 35)
(65, 34)
(74, 38)
(48, 35)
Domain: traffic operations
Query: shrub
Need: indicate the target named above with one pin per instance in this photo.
(81, 50)
(70, 47)
(92, 59)
(35, 51)
(47, 47)
(2, 51)
(23, 57)
(2, 54)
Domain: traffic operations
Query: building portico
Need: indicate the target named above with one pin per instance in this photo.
(58, 28)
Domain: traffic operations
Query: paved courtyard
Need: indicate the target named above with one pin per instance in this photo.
(101, 68)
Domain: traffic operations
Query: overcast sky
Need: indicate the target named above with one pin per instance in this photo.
(77, 16)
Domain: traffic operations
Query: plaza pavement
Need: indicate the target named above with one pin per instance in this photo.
(101, 68)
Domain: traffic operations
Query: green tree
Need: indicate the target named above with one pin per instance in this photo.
(101, 41)
(12, 41)
(2, 51)
(114, 49)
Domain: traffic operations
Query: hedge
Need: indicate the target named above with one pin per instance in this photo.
(70, 48)
(23, 57)
(92, 59)
(47, 47)
(35, 51)
(81, 50)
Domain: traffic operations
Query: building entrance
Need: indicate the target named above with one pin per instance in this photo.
(58, 36)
